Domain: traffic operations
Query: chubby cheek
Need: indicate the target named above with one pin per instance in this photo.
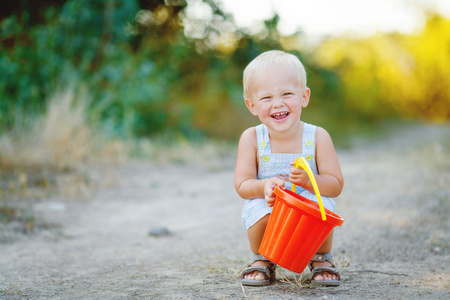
(262, 110)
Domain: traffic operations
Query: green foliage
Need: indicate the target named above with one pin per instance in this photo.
(390, 75)
(143, 74)
(150, 68)
(73, 43)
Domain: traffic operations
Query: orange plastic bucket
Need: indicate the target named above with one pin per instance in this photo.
(295, 230)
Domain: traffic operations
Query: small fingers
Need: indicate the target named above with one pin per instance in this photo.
(295, 171)
(270, 201)
(279, 182)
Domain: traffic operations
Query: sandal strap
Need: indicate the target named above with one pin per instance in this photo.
(255, 257)
(322, 269)
(262, 269)
(269, 272)
(321, 257)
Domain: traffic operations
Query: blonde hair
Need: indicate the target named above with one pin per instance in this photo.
(270, 59)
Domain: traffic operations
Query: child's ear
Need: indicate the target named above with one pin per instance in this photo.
(251, 106)
(305, 97)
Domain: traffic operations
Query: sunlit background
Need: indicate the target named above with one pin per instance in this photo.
(129, 69)
(119, 124)
(326, 18)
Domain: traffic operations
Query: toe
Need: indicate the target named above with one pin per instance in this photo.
(318, 278)
(259, 276)
(327, 276)
(248, 276)
(252, 275)
(255, 275)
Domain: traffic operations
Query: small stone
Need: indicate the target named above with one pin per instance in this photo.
(159, 231)
(437, 249)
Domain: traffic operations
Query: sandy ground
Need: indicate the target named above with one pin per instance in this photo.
(394, 243)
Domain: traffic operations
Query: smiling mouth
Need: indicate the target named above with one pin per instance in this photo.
(280, 116)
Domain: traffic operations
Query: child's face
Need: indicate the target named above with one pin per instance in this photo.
(277, 98)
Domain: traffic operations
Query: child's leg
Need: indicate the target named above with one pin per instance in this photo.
(255, 234)
(327, 244)
(326, 247)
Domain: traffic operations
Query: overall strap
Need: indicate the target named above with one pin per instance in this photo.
(309, 139)
(262, 138)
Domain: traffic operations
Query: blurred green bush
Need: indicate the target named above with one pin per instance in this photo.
(150, 68)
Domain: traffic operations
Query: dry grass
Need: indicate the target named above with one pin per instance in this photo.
(62, 139)
(61, 153)
(65, 139)
(64, 152)
(181, 150)
(294, 282)
(50, 155)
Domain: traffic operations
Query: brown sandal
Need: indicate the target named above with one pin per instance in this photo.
(268, 272)
(321, 257)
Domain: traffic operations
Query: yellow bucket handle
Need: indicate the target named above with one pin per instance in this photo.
(301, 162)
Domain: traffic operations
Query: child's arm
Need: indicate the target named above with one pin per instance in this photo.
(245, 180)
(330, 180)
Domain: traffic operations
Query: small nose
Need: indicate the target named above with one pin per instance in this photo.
(278, 102)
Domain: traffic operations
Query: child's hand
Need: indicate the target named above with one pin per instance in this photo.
(298, 176)
(269, 186)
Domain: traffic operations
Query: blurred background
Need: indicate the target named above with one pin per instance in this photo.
(78, 75)
(105, 100)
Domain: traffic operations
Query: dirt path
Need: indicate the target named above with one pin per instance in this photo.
(394, 242)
